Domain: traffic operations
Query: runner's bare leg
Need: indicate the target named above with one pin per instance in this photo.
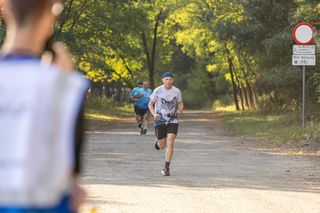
(162, 143)
(170, 142)
(145, 120)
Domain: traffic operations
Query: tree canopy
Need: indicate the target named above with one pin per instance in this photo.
(235, 51)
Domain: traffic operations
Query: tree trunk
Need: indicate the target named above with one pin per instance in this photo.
(254, 96)
(237, 82)
(250, 94)
(247, 86)
(58, 29)
(240, 93)
(245, 94)
(148, 58)
(151, 56)
(234, 86)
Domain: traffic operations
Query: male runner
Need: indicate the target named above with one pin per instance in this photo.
(135, 97)
(142, 106)
(165, 103)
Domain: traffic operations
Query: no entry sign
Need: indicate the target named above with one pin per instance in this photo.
(303, 34)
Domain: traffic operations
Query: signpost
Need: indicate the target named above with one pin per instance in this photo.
(304, 60)
(303, 54)
(303, 34)
(304, 49)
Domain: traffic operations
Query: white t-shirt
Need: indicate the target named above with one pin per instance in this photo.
(166, 104)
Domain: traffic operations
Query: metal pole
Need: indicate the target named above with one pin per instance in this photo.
(303, 92)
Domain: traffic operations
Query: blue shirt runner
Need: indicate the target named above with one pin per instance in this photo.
(144, 97)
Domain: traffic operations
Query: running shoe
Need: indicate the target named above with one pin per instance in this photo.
(156, 145)
(165, 171)
(144, 131)
(139, 124)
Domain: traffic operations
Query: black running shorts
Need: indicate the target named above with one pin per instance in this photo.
(142, 112)
(136, 110)
(164, 129)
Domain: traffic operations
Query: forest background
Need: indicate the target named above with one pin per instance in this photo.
(222, 52)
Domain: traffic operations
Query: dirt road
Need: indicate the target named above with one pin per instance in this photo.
(210, 172)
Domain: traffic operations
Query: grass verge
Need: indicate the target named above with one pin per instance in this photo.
(101, 112)
(276, 129)
(105, 109)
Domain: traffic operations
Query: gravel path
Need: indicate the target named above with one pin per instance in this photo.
(210, 172)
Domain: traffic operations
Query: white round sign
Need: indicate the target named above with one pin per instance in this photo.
(303, 34)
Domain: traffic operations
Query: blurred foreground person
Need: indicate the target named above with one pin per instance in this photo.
(41, 114)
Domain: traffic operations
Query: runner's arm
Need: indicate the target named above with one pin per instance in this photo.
(151, 109)
(180, 103)
(180, 107)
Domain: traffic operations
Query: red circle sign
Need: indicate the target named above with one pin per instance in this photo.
(303, 34)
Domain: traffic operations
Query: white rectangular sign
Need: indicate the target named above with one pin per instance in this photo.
(303, 60)
(304, 49)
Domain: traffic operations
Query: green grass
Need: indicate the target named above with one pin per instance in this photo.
(105, 109)
(277, 129)
(295, 133)
(101, 113)
(251, 123)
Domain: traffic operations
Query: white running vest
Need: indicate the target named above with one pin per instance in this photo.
(38, 111)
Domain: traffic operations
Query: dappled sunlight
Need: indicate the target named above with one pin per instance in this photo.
(273, 151)
(191, 133)
(96, 116)
(113, 132)
(230, 108)
(196, 120)
(204, 142)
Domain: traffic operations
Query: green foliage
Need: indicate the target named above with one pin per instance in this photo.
(2, 31)
(182, 66)
(253, 123)
(196, 94)
(215, 48)
(95, 33)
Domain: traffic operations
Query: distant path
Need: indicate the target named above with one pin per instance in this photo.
(210, 173)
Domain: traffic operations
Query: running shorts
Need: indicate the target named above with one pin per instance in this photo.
(164, 129)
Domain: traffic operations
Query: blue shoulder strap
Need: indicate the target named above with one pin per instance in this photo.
(19, 57)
